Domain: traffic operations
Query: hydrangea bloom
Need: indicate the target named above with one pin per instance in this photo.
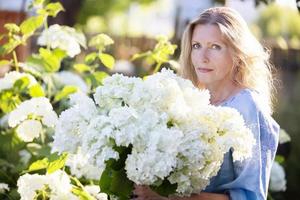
(29, 117)
(80, 167)
(94, 190)
(277, 178)
(11, 77)
(59, 185)
(3, 187)
(63, 37)
(172, 130)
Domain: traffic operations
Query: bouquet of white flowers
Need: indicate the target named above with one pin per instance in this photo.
(160, 132)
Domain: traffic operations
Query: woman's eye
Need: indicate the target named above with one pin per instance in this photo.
(196, 46)
(216, 46)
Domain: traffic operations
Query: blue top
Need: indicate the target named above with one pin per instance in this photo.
(249, 180)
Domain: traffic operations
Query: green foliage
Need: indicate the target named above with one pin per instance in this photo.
(278, 21)
(18, 35)
(4, 63)
(161, 53)
(107, 60)
(165, 188)
(52, 9)
(36, 91)
(50, 59)
(100, 41)
(114, 180)
(52, 163)
(9, 101)
(104, 8)
(65, 92)
(29, 26)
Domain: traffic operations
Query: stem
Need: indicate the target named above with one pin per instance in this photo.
(16, 60)
(157, 67)
(76, 181)
(43, 136)
(46, 28)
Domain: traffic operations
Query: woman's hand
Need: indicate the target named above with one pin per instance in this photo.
(145, 193)
(141, 192)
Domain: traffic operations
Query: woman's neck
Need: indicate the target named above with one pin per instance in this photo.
(220, 93)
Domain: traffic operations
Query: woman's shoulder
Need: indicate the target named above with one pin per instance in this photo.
(245, 99)
(252, 107)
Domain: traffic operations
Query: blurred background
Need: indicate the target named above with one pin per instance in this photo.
(134, 26)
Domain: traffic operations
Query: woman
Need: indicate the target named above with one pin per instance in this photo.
(219, 53)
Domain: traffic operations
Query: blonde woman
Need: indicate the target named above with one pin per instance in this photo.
(219, 53)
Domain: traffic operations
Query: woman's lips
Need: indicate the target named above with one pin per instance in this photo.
(204, 70)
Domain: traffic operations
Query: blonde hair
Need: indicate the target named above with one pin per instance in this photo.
(251, 66)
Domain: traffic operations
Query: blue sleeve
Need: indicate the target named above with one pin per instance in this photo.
(252, 175)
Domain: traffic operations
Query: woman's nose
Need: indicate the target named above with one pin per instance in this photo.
(203, 55)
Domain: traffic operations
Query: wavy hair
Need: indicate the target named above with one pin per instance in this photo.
(251, 66)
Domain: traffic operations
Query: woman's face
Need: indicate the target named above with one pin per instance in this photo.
(210, 56)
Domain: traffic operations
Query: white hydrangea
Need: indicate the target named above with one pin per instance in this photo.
(277, 178)
(94, 190)
(29, 129)
(73, 123)
(11, 77)
(117, 90)
(58, 182)
(28, 185)
(96, 142)
(63, 37)
(154, 160)
(284, 137)
(80, 167)
(3, 187)
(176, 96)
(172, 130)
(29, 117)
(70, 78)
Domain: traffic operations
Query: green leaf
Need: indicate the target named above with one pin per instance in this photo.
(36, 91)
(82, 68)
(107, 60)
(38, 165)
(54, 8)
(29, 26)
(65, 92)
(83, 195)
(38, 2)
(51, 59)
(165, 189)
(11, 27)
(57, 164)
(21, 84)
(100, 41)
(90, 57)
(98, 77)
(11, 143)
(10, 46)
(116, 183)
(4, 63)
(280, 159)
(9, 101)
